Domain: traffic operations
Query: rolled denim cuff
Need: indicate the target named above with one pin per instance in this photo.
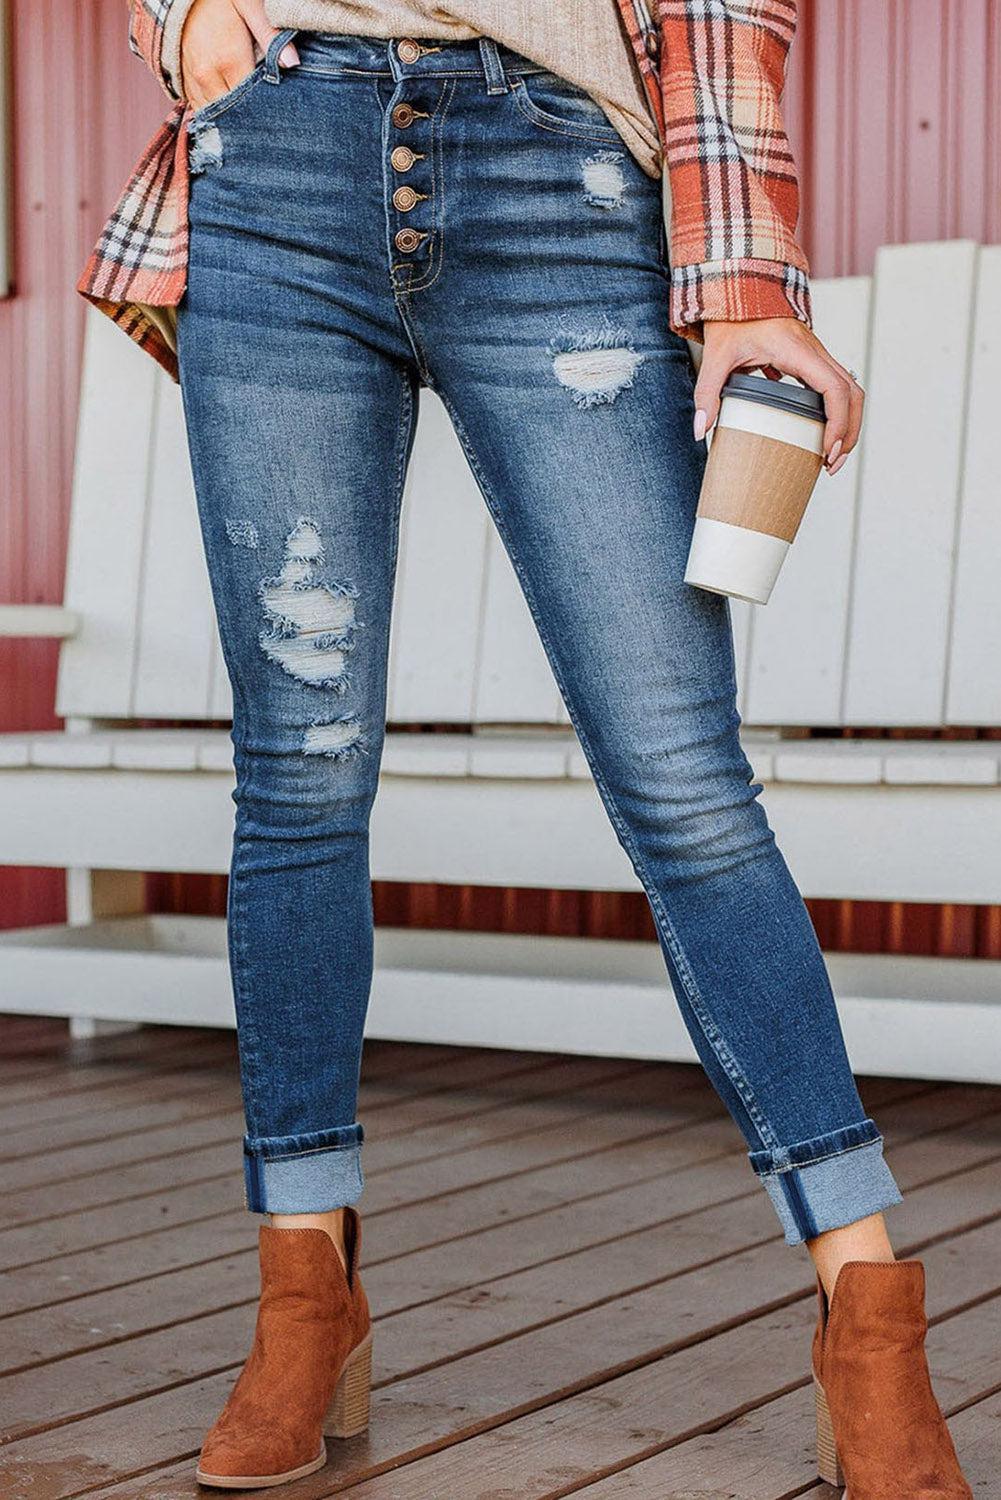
(303, 1174)
(827, 1183)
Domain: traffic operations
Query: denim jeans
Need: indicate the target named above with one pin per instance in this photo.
(512, 259)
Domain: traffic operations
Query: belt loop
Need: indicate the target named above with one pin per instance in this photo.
(276, 46)
(493, 68)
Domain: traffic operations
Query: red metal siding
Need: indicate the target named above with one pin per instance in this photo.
(895, 113)
(894, 109)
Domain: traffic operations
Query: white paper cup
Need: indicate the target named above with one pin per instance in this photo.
(765, 456)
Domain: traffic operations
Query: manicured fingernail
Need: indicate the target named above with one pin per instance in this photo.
(288, 57)
(835, 450)
(838, 463)
(700, 426)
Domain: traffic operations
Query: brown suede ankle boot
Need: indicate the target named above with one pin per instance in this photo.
(880, 1430)
(309, 1370)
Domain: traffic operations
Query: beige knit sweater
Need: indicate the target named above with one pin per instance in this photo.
(581, 40)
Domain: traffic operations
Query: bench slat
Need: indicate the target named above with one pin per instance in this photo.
(514, 682)
(532, 756)
(176, 620)
(974, 692)
(909, 486)
(107, 526)
(439, 593)
(797, 653)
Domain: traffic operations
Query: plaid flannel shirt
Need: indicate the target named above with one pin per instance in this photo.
(713, 71)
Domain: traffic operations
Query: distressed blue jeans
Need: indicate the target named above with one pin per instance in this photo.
(362, 225)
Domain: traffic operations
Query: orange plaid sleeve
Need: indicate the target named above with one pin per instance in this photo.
(733, 187)
(714, 72)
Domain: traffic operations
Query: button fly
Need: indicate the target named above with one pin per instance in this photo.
(402, 158)
(407, 239)
(404, 199)
(408, 51)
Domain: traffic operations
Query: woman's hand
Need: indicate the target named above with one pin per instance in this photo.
(217, 47)
(786, 345)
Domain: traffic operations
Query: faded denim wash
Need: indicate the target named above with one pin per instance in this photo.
(533, 298)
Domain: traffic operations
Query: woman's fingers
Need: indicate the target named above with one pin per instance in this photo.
(837, 456)
(787, 346)
(217, 51)
(844, 400)
(813, 364)
(718, 360)
(263, 32)
(856, 403)
(219, 42)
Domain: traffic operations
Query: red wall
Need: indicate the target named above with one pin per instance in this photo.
(894, 109)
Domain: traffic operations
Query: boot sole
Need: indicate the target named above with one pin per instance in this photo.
(260, 1481)
(346, 1417)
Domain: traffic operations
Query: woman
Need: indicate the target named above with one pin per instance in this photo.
(466, 194)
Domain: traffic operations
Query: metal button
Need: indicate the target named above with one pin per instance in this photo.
(402, 116)
(404, 199)
(407, 239)
(402, 158)
(408, 50)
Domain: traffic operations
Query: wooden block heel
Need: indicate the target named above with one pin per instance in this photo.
(828, 1465)
(347, 1414)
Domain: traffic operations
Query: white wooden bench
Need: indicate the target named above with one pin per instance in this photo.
(888, 614)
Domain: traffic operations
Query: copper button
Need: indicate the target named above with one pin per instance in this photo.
(403, 116)
(408, 51)
(402, 158)
(404, 199)
(407, 239)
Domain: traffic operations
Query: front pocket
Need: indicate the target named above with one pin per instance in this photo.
(551, 103)
(217, 106)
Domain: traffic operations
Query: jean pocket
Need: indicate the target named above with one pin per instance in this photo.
(267, 67)
(551, 103)
(207, 112)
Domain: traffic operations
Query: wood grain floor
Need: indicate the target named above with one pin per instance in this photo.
(579, 1288)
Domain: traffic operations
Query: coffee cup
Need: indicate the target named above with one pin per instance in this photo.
(764, 459)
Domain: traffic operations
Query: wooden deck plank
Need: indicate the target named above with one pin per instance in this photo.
(109, 1153)
(556, 1226)
(560, 1444)
(207, 1193)
(537, 1231)
(93, 1123)
(489, 1387)
(417, 1149)
(62, 1052)
(91, 1189)
(461, 1311)
(33, 1246)
(770, 1452)
(125, 1124)
(664, 1175)
(82, 1079)
(79, 1111)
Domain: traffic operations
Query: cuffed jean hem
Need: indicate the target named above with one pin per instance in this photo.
(830, 1191)
(307, 1174)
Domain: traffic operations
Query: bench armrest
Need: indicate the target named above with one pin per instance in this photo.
(43, 620)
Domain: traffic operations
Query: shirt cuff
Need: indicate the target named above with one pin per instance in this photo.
(735, 291)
